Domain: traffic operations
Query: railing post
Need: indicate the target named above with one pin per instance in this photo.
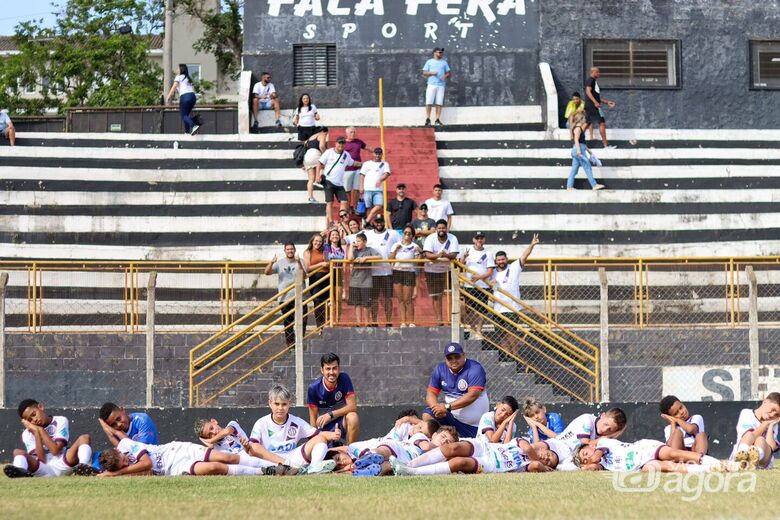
(299, 336)
(3, 284)
(604, 336)
(455, 304)
(753, 331)
(150, 304)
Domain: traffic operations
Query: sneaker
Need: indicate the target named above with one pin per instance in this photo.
(195, 129)
(372, 470)
(412, 325)
(14, 472)
(439, 123)
(427, 122)
(318, 468)
(312, 200)
(610, 147)
(570, 189)
(255, 126)
(369, 459)
(85, 470)
(278, 123)
(399, 468)
(598, 187)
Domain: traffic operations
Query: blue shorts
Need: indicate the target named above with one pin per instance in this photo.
(464, 430)
(3, 128)
(264, 104)
(373, 198)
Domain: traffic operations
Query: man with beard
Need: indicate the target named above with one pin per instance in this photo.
(334, 395)
(440, 248)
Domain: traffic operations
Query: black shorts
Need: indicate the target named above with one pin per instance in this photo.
(480, 296)
(331, 191)
(305, 132)
(407, 278)
(593, 116)
(383, 286)
(360, 296)
(437, 283)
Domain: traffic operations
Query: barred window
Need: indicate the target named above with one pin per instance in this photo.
(314, 65)
(765, 64)
(634, 63)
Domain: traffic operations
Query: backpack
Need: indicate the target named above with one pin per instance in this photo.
(299, 153)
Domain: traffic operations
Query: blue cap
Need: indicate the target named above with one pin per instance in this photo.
(453, 348)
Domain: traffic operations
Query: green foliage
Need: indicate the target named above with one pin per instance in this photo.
(223, 34)
(84, 60)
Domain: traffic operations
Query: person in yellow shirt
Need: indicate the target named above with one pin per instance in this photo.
(575, 105)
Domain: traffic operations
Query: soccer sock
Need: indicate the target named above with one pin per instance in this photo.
(743, 447)
(20, 461)
(708, 462)
(431, 457)
(440, 468)
(318, 452)
(84, 454)
(696, 468)
(246, 459)
(760, 453)
(237, 469)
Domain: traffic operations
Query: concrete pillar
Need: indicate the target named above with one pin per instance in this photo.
(455, 305)
(753, 331)
(299, 331)
(604, 336)
(3, 284)
(150, 304)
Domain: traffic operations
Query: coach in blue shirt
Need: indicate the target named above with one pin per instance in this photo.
(331, 400)
(463, 382)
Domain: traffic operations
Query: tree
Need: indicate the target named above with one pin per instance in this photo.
(223, 34)
(95, 55)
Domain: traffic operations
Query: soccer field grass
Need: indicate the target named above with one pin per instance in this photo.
(554, 495)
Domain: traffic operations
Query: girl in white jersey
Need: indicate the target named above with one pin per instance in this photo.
(182, 84)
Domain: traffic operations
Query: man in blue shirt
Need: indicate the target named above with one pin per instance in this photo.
(438, 72)
(334, 396)
(463, 382)
(117, 424)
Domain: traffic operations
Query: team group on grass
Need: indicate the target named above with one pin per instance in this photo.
(447, 438)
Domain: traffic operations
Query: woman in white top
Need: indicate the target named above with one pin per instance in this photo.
(315, 147)
(404, 274)
(183, 84)
(306, 117)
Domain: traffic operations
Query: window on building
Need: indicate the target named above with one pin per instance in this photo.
(765, 64)
(194, 70)
(634, 63)
(314, 65)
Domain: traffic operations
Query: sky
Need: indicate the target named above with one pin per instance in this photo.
(14, 11)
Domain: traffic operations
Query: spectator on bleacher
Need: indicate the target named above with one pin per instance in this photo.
(264, 97)
(593, 105)
(316, 266)
(342, 225)
(438, 72)
(373, 174)
(7, 128)
(440, 248)
(382, 240)
(286, 268)
(579, 154)
(353, 147)
(423, 225)
(182, 84)
(335, 250)
(332, 165)
(400, 209)
(576, 104)
(405, 273)
(360, 280)
(480, 264)
(305, 118)
(438, 207)
(315, 147)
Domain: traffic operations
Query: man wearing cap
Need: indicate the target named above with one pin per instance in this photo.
(438, 72)
(463, 382)
(480, 264)
(332, 165)
(7, 128)
(423, 225)
(373, 174)
(353, 146)
(400, 209)
(381, 240)
(440, 248)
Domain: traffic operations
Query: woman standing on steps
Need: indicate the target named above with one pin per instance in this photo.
(315, 147)
(579, 154)
(306, 117)
(183, 84)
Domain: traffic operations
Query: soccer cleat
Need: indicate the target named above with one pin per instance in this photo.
(369, 459)
(372, 470)
(318, 468)
(399, 468)
(195, 129)
(427, 122)
(280, 470)
(14, 472)
(85, 470)
(753, 458)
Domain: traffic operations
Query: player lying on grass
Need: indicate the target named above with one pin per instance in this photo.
(757, 434)
(643, 455)
(230, 439)
(46, 452)
(499, 425)
(585, 429)
(118, 424)
(684, 431)
(478, 456)
(541, 425)
(427, 435)
(280, 432)
(401, 431)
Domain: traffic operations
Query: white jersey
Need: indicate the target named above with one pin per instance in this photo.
(173, 458)
(400, 434)
(487, 424)
(263, 91)
(439, 209)
(479, 262)
(688, 439)
(372, 171)
(406, 252)
(494, 457)
(748, 422)
(383, 243)
(281, 438)
(508, 281)
(58, 429)
(433, 245)
(408, 450)
(628, 456)
(580, 429)
(231, 443)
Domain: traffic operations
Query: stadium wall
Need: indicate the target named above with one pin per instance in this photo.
(176, 423)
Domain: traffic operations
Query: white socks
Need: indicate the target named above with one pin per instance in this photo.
(318, 452)
(84, 454)
(245, 459)
(20, 461)
(743, 447)
(237, 470)
(431, 457)
(696, 468)
(760, 453)
(440, 468)
(709, 462)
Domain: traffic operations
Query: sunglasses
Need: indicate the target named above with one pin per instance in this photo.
(342, 215)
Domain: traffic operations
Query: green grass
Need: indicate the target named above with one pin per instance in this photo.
(473, 497)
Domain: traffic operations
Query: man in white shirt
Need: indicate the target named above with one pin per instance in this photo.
(382, 240)
(372, 176)
(332, 165)
(480, 264)
(7, 128)
(264, 97)
(439, 208)
(440, 248)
